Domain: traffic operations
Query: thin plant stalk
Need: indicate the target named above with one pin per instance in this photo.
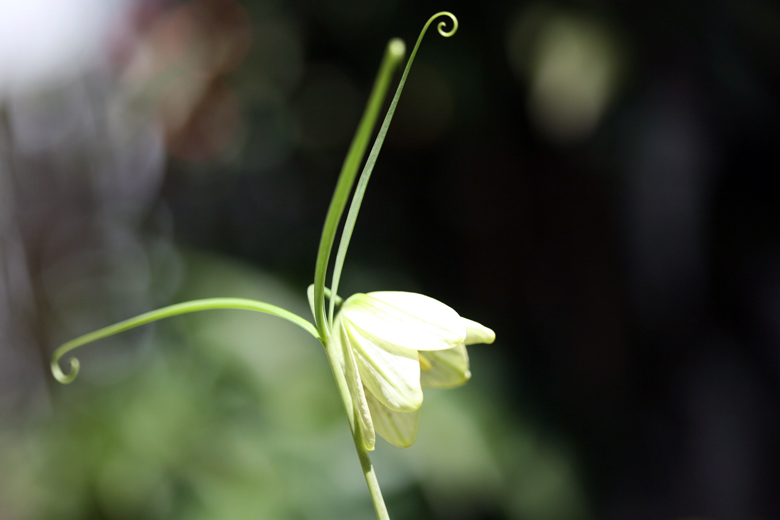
(365, 176)
(322, 326)
(394, 53)
(207, 304)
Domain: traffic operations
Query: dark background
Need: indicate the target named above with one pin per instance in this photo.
(631, 273)
(620, 234)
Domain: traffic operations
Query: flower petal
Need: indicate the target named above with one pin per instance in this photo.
(310, 297)
(352, 375)
(446, 368)
(408, 320)
(397, 428)
(477, 333)
(390, 373)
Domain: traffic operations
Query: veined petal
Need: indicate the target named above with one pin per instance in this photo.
(397, 428)
(445, 368)
(390, 373)
(477, 333)
(352, 375)
(310, 297)
(336, 337)
(408, 320)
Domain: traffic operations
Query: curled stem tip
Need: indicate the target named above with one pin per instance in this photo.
(441, 25)
(396, 47)
(61, 376)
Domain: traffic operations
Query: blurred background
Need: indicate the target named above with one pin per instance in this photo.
(596, 180)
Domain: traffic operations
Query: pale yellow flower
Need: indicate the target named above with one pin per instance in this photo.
(394, 343)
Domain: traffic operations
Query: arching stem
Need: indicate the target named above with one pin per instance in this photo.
(394, 53)
(167, 312)
(365, 176)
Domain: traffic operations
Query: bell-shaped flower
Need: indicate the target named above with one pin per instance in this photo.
(393, 344)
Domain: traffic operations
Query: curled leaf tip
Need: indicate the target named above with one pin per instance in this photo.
(442, 24)
(59, 375)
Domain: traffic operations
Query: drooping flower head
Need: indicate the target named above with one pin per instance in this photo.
(393, 344)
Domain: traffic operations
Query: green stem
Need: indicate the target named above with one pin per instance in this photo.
(167, 312)
(363, 456)
(370, 475)
(357, 198)
(326, 244)
(393, 55)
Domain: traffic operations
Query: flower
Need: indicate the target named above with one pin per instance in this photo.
(394, 343)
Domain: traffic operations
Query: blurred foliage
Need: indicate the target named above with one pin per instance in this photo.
(595, 180)
(236, 416)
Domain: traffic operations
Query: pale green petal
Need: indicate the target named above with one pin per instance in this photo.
(339, 350)
(445, 368)
(407, 320)
(397, 428)
(390, 373)
(352, 374)
(310, 297)
(477, 333)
